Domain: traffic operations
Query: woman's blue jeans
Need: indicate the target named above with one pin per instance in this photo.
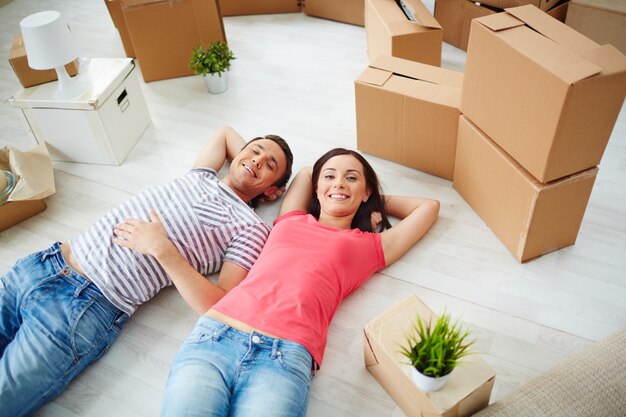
(53, 324)
(221, 371)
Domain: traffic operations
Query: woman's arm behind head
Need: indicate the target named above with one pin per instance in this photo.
(416, 214)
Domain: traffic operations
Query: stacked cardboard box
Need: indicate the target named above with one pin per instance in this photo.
(245, 7)
(389, 31)
(539, 102)
(161, 34)
(408, 112)
(455, 16)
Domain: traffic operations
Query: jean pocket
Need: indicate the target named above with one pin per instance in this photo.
(296, 361)
(95, 327)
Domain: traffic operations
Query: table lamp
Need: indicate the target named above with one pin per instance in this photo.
(50, 44)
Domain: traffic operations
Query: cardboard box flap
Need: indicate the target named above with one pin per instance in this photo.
(418, 71)
(499, 21)
(608, 57)
(422, 14)
(552, 28)
(374, 76)
(135, 3)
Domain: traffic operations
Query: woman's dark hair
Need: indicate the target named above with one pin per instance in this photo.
(376, 201)
(282, 181)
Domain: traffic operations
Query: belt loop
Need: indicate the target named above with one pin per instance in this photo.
(81, 288)
(275, 351)
(218, 333)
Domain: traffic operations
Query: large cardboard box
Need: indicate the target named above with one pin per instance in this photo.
(529, 217)
(347, 11)
(100, 126)
(245, 7)
(604, 21)
(117, 15)
(466, 391)
(408, 112)
(164, 33)
(503, 4)
(545, 93)
(28, 76)
(390, 32)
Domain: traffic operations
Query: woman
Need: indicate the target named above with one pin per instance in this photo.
(253, 352)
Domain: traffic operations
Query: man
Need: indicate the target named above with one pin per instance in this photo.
(62, 308)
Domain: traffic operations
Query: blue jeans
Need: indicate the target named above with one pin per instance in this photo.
(221, 371)
(53, 324)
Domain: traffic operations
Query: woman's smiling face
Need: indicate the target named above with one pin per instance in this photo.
(341, 187)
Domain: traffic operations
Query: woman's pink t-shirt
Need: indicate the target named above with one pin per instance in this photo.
(303, 273)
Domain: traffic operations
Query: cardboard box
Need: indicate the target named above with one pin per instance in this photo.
(245, 7)
(408, 112)
(28, 76)
(164, 33)
(15, 212)
(117, 15)
(545, 93)
(466, 391)
(347, 11)
(503, 4)
(455, 16)
(106, 121)
(390, 32)
(559, 12)
(604, 21)
(529, 217)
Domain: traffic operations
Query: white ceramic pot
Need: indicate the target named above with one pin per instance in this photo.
(428, 383)
(216, 84)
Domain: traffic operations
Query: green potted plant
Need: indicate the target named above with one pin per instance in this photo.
(212, 63)
(434, 351)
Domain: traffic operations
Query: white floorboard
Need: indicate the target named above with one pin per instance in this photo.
(294, 77)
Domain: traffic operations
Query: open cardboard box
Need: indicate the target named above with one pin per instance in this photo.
(529, 217)
(408, 112)
(389, 32)
(546, 94)
(466, 391)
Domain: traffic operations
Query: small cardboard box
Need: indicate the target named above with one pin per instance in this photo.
(245, 7)
(503, 4)
(15, 212)
(28, 76)
(466, 391)
(117, 15)
(408, 112)
(529, 217)
(101, 126)
(604, 21)
(347, 11)
(545, 93)
(164, 33)
(389, 32)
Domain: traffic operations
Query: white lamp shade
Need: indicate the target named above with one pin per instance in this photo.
(48, 40)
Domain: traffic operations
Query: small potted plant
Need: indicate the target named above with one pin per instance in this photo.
(212, 63)
(434, 351)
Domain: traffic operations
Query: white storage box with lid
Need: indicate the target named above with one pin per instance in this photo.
(100, 126)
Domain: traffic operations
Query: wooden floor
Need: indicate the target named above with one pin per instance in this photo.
(294, 77)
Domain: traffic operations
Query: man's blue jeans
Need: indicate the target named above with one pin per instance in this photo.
(221, 371)
(53, 324)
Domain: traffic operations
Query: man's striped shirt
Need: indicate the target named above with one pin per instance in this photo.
(207, 222)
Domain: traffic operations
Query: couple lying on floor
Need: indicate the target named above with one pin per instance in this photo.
(259, 339)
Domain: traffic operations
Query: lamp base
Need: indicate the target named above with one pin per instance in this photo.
(67, 87)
